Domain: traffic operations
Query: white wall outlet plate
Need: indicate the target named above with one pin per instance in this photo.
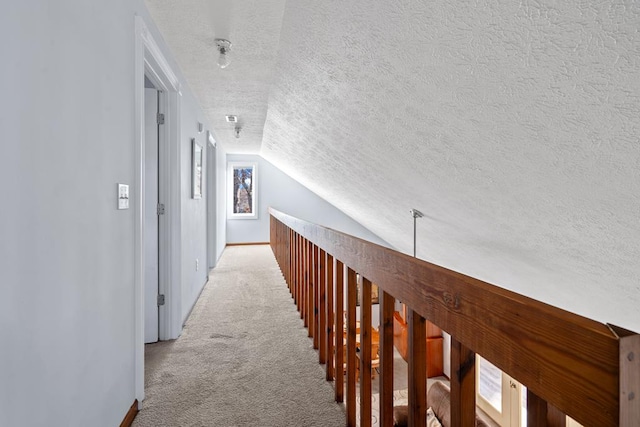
(123, 196)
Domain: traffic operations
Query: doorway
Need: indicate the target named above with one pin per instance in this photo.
(150, 64)
(152, 209)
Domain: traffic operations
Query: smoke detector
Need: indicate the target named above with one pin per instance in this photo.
(232, 119)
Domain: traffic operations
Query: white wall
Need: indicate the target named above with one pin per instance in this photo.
(193, 211)
(66, 253)
(280, 191)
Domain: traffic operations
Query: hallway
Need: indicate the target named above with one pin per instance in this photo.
(243, 359)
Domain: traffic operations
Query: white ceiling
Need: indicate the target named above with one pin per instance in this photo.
(242, 89)
(514, 126)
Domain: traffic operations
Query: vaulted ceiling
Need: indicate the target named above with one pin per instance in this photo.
(513, 126)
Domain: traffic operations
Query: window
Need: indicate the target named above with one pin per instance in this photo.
(242, 184)
(501, 397)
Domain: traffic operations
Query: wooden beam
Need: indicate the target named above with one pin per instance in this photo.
(463, 385)
(339, 315)
(365, 353)
(539, 345)
(417, 354)
(351, 348)
(387, 308)
(330, 319)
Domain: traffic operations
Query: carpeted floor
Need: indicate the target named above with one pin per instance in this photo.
(243, 359)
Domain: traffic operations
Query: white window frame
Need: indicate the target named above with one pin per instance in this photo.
(512, 391)
(254, 198)
(511, 394)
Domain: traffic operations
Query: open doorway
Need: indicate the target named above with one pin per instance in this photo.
(153, 208)
(156, 200)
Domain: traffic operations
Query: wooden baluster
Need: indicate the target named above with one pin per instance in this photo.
(417, 354)
(296, 269)
(387, 308)
(536, 410)
(339, 316)
(351, 348)
(287, 268)
(316, 297)
(463, 385)
(300, 270)
(300, 274)
(322, 307)
(310, 290)
(305, 285)
(555, 417)
(330, 319)
(296, 266)
(365, 353)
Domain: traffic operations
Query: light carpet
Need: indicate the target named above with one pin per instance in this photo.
(243, 359)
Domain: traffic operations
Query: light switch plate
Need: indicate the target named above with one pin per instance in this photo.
(123, 196)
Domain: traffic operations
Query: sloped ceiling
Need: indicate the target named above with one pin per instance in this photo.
(513, 126)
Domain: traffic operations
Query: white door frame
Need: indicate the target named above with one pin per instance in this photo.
(149, 60)
(211, 201)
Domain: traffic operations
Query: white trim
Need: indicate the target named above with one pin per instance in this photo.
(149, 60)
(254, 178)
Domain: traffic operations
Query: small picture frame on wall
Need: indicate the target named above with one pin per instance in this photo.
(242, 190)
(196, 169)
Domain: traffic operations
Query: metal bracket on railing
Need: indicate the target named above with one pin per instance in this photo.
(415, 213)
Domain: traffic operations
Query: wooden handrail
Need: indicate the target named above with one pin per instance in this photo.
(569, 361)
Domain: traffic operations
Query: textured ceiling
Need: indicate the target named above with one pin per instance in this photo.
(514, 127)
(190, 27)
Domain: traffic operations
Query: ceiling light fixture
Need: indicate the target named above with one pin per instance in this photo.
(224, 47)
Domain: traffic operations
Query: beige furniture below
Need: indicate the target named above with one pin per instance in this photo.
(438, 398)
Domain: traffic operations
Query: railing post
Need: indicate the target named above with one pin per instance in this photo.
(417, 336)
(339, 316)
(536, 410)
(297, 268)
(555, 417)
(305, 285)
(463, 385)
(387, 308)
(365, 353)
(300, 270)
(330, 319)
(309, 312)
(351, 348)
(322, 307)
(629, 375)
(316, 297)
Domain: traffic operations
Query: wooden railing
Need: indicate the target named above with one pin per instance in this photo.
(569, 364)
